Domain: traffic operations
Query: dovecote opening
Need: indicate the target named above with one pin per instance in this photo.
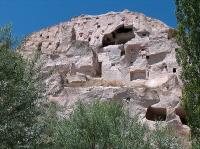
(39, 48)
(174, 70)
(81, 34)
(156, 114)
(143, 34)
(131, 63)
(128, 99)
(122, 52)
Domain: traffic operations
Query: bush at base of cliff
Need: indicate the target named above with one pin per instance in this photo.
(106, 125)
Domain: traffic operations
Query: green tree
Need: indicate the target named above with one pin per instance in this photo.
(107, 125)
(99, 125)
(188, 56)
(18, 97)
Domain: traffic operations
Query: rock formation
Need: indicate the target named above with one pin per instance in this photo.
(122, 56)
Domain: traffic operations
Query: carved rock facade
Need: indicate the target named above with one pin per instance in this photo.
(122, 56)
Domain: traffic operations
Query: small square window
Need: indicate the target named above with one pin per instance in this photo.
(174, 70)
(122, 52)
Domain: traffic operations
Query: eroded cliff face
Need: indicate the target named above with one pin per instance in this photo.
(116, 56)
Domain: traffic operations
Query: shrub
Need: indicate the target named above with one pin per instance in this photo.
(99, 125)
(196, 143)
(48, 122)
(107, 125)
(163, 138)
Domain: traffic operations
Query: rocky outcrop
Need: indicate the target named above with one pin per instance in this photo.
(116, 56)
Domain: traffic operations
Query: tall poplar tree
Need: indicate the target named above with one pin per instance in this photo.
(188, 56)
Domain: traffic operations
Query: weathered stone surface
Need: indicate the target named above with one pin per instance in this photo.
(122, 56)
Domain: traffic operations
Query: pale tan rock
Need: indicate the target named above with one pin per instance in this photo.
(122, 56)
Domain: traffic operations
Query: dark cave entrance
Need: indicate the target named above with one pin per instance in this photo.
(119, 36)
(139, 74)
(182, 115)
(156, 114)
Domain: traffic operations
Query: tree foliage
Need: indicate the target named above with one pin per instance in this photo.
(107, 125)
(18, 97)
(188, 56)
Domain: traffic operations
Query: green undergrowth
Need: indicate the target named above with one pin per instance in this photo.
(107, 125)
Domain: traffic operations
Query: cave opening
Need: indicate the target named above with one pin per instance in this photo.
(182, 115)
(124, 29)
(139, 74)
(156, 114)
(120, 35)
(108, 40)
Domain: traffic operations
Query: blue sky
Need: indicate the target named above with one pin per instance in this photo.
(28, 16)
